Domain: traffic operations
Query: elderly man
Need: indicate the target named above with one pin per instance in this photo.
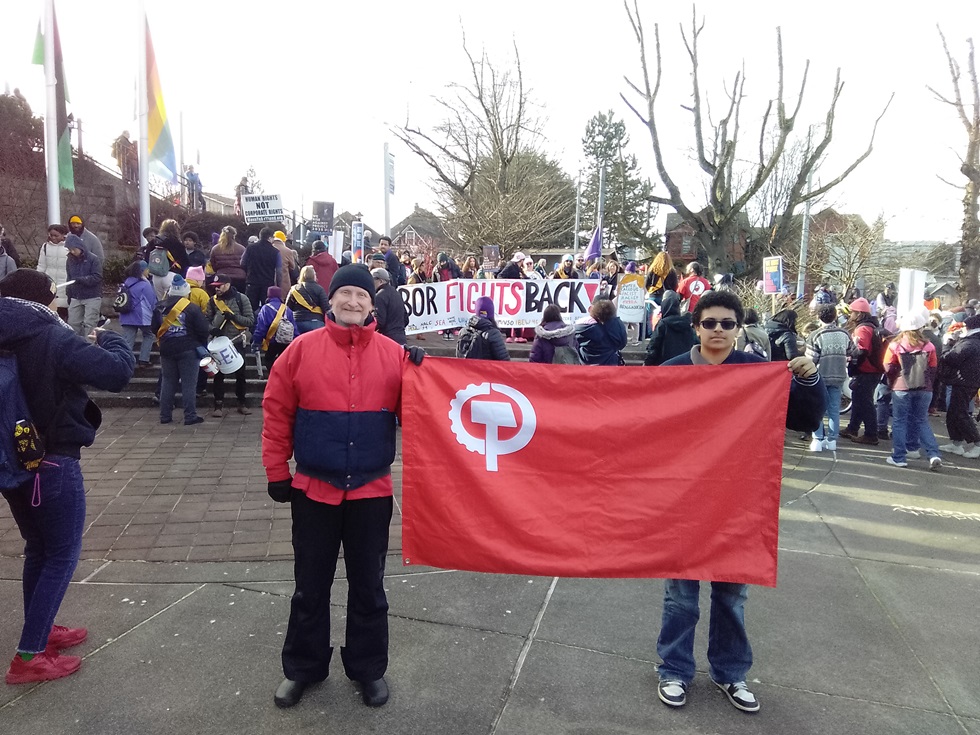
(339, 425)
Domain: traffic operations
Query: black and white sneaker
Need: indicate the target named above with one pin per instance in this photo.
(672, 692)
(740, 696)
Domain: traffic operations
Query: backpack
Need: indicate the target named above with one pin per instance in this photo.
(914, 366)
(284, 332)
(472, 344)
(123, 302)
(159, 261)
(755, 348)
(21, 447)
(566, 355)
(879, 343)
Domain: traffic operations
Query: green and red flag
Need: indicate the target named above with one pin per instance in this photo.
(66, 169)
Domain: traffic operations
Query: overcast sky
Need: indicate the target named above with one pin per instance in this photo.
(305, 92)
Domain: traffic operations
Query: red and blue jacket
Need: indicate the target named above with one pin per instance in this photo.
(331, 403)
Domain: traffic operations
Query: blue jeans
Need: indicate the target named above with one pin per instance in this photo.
(910, 426)
(729, 652)
(182, 367)
(52, 530)
(146, 344)
(883, 406)
(308, 326)
(833, 415)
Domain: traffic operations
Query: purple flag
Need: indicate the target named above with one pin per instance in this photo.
(594, 249)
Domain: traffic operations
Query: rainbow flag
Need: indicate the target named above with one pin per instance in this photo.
(66, 168)
(163, 162)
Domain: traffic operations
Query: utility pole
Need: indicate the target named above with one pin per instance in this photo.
(578, 207)
(804, 243)
(51, 116)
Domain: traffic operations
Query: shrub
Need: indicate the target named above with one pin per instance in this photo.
(114, 268)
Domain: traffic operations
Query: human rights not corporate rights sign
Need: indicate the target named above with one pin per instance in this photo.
(261, 208)
(450, 304)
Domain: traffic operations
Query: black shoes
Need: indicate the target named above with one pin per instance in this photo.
(289, 693)
(374, 693)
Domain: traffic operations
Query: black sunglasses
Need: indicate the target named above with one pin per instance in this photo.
(726, 324)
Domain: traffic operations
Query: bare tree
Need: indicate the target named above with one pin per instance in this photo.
(850, 252)
(969, 281)
(716, 145)
(493, 183)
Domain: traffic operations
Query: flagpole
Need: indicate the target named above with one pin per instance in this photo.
(387, 197)
(602, 204)
(51, 117)
(143, 103)
(578, 206)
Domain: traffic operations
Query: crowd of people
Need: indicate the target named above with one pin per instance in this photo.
(305, 313)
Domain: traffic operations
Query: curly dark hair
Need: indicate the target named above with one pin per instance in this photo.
(724, 299)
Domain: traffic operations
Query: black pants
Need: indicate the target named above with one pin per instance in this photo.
(863, 404)
(271, 354)
(256, 295)
(318, 531)
(219, 385)
(959, 423)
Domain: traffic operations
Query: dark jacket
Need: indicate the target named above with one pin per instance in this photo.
(54, 363)
(394, 268)
(782, 341)
(549, 336)
(262, 263)
(390, 311)
(180, 260)
(511, 270)
(960, 365)
(447, 270)
(190, 331)
(495, 340)
(338, 424)
(241, 313)
(86, 272)
(229, 263)
(807, 397)
(673, 334)
(599, 344)
(315, 296)
(660, 287)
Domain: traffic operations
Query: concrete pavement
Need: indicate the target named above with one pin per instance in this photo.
(185, 585)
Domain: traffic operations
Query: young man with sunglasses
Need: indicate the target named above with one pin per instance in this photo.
(717, 317)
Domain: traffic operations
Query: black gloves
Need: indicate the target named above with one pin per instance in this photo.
(281, 491)
(216, 332)
(415, 354)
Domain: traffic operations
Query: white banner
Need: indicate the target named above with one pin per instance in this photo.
(631, 298)
(450, 304)
(911, 291)
(261, 208)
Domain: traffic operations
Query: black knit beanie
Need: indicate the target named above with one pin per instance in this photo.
(355, 274)
(29, 285)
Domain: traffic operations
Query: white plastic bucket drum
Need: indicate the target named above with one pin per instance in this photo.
(224, 353)
(209, 366)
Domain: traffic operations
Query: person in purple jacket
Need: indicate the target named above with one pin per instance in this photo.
(263, 323)
(552, 332)
(139, 318)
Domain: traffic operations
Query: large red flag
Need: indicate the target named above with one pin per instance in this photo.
(561, 470)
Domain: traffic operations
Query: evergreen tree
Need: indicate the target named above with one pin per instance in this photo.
(628, 218)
